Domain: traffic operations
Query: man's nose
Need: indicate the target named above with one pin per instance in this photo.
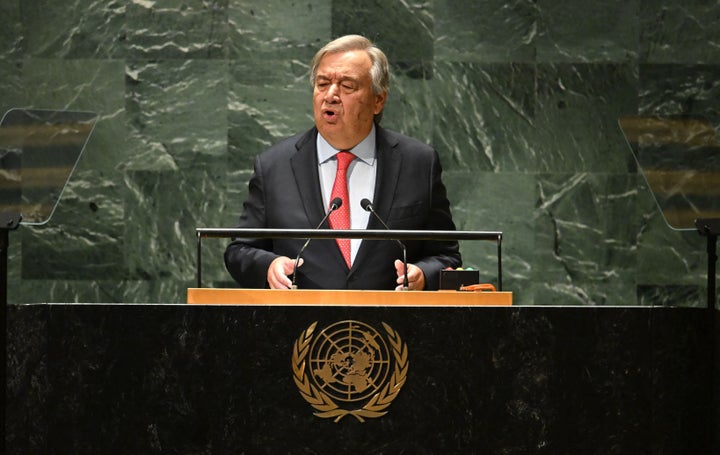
(333, 92)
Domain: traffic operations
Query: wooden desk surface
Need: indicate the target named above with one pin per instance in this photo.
(345, 298)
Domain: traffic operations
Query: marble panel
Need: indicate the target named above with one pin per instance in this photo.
(84, 29)
(180, 105)
(109, 290)
(484, 116)
(11, 85)
(95, 85)
(411, 106)
(671, 295)
(85, 238)
(578, 106)
(678, 89)
(666, 256)
(509, 93)
(86, 85)
(490, 201)
(213, 265)
(171, 205)
(584, 254)
(11, 36)
(679, 32)
(279, 31)
(488, 31)
(572, 31)
(403, 30)
(167, 29)
(268, 100)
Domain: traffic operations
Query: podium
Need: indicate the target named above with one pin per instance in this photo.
(346, 298)
(225, 378)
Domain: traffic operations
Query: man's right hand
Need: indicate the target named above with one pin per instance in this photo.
(279, 270)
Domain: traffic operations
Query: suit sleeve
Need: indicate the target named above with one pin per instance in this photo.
(438, 255)
(248, 260)
(410, 176)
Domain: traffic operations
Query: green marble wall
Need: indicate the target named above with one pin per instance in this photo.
(520, 98)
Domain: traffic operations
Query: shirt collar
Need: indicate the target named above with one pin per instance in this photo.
(365, 150)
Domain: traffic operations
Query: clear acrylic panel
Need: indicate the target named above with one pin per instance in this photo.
(679, 156)
(39, 150)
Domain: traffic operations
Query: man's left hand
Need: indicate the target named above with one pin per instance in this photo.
(416, 277)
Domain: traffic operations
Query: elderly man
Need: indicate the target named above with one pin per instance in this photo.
(346, 155)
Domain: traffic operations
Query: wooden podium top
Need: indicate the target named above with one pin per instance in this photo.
(345, 298)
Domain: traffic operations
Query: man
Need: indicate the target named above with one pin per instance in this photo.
(295, 181)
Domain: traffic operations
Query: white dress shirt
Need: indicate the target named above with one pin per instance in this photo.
(361, 180)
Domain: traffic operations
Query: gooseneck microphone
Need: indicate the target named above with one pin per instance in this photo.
(334, 205)
(368, 207)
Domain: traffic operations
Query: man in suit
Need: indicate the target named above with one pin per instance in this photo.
(295, 181)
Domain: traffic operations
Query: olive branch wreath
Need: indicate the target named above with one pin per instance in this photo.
(326, 408)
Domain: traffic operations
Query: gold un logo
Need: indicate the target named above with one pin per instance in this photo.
(348, 369)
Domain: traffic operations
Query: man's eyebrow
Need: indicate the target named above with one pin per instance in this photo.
(342, 79)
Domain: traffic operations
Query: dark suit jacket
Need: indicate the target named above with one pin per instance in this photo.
(284, 192)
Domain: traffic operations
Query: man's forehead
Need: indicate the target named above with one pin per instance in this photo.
(345, 63)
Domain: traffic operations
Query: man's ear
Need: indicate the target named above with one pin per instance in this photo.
(380, 102)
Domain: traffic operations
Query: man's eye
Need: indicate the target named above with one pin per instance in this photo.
(348, 86)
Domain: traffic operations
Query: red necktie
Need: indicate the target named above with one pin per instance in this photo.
(340, 218)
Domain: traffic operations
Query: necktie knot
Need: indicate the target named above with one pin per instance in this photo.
(344, 159)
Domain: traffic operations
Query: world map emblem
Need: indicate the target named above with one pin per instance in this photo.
(349, 368)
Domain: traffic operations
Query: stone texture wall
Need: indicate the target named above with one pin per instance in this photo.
(521, 99)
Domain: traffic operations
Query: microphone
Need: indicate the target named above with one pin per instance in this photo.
(334, 205)
(368, 207)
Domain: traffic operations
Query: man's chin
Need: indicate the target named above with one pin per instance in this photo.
(328, 129)
(330, 120)
(336, 136)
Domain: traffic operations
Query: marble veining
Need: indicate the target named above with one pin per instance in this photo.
(521, 100)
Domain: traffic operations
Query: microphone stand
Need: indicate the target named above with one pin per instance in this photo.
(406, 287)
(334, 205)
(367, 206)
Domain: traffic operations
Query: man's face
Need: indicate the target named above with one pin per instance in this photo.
(343, 100)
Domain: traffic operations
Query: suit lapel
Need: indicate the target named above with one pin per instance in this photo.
(305, 169)
(388, 173)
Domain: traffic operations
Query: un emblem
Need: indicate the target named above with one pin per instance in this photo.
(349, 368)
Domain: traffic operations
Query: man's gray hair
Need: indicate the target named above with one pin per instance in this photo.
(379, 71)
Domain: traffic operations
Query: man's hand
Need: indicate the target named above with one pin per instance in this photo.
(279, 270)
(416, 277)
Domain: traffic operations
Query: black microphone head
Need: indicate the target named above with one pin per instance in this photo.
(336, 203)
(366, 204)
